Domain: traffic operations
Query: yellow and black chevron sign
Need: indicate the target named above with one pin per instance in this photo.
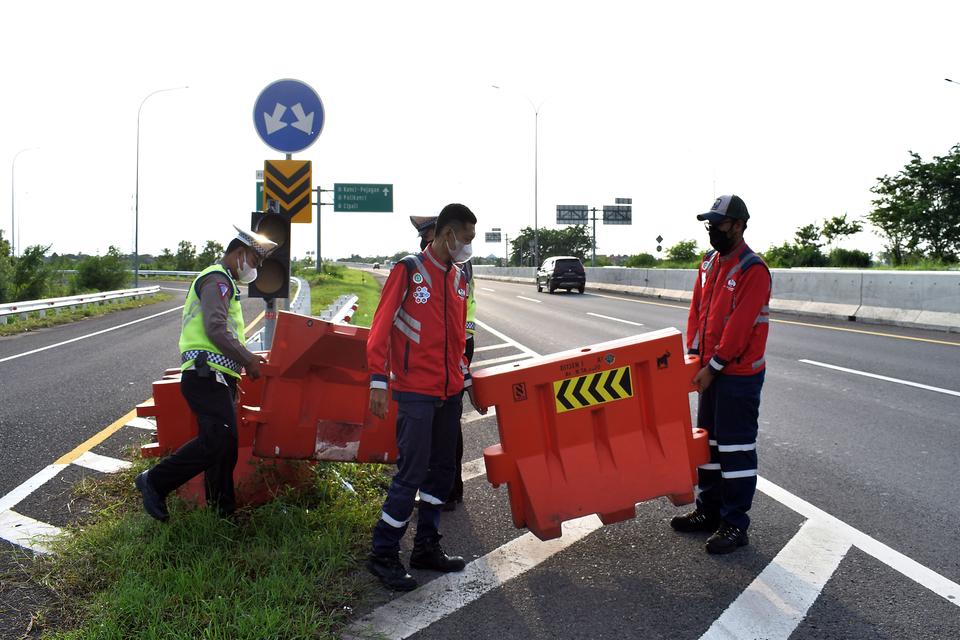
(593, 389)
(290, 183)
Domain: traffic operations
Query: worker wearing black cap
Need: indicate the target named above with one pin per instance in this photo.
(212, 355)
(727, 327)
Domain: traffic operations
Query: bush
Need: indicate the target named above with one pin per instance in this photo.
(788, 256)
(683, 251)
(641, 260)
(31, 274)
(850, 258)
(102, 273)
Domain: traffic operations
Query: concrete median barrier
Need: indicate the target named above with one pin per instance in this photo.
(924, 299)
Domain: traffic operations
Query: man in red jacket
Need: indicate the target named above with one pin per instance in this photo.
(727, 327)
(415, 350)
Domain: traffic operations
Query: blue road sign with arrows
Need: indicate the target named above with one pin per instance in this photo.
(288, 115)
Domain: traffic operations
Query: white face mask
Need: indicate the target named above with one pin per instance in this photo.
(247, 273)
(460, 252)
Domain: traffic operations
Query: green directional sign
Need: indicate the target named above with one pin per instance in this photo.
(363, 197)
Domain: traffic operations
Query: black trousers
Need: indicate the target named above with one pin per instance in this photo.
(456, 494)
(213, 451)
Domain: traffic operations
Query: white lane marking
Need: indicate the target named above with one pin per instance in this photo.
(879, 377)
(894, 559)
(473, 416)
(508, 340)
(597, 315)
(530, 300)
(488, 289)
(486, 363)
(777, 601)
(26, 532)
(89, 335)
(417, 610)
(30, 485)
(473, 469)
(142, 423)
(656, 304)
(104, 464)
(491, 347)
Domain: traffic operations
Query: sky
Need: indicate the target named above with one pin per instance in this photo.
(796, 107)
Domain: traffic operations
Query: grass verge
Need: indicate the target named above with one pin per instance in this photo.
(337, 281)
(286, 569)
(17, 325)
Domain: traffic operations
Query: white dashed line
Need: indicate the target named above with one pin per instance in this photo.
(488, 289)
(530, 300)
(26, 532)
(491, 347)
(597, 315)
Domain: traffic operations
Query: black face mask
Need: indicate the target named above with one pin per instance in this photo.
(721, 241)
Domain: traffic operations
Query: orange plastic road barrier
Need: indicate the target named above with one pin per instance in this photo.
(315, 396)
(594, 430)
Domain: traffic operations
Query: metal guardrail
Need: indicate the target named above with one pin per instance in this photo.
(26, 307)
(340, 310)
(145, 272)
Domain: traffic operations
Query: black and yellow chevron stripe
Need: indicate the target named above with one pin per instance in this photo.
(290, 183)
(593, 389)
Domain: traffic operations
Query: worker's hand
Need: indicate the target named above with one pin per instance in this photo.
(378, 403)
(253, 367)
(704, 378)
(481, 410)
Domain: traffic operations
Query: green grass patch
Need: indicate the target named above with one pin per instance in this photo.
(286, 569)
(337, 281)
(16, 324)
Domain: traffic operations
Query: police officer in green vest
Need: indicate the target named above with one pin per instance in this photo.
(212, 355)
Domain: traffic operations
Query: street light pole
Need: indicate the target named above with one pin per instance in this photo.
(951, 81)
(13, 196)
(136, 196)
(536, 201)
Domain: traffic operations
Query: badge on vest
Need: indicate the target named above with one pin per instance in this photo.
(421, 295)
(417, 278)
(731, 284)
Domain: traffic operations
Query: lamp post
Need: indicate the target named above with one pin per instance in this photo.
(136, 197)
(536, 131)
(13, 197)
(951, 81)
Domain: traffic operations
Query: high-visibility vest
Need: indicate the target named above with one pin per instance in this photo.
(471, 301)
(193, 337)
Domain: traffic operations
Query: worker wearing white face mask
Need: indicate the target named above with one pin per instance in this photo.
(212, 355)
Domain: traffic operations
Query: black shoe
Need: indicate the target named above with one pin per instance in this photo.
(430, 555)
(695, 521)
(391, 572)
(153, 504)
(727, 538)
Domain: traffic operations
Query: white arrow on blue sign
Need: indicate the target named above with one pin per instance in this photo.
(288, 115)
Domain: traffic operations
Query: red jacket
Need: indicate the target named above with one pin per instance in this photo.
(418, 335)
(730, 312)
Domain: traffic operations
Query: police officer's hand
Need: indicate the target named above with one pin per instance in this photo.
(704, 378)
(481, 410)
(378, 402)
(253, 367)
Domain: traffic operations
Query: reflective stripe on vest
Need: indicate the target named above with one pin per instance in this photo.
(193, 337)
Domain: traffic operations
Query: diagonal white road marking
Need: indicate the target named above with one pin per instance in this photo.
(879, 377)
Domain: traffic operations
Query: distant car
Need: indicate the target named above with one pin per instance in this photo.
(561, 272)
(376, 265)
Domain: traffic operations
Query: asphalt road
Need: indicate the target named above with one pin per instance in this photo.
(877, 455)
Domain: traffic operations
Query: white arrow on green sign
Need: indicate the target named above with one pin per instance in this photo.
(363, 197)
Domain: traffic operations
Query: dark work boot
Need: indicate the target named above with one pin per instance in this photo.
(153, 504)
(695, 521)
(429, 555)
(391, 572)
(728, 538)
